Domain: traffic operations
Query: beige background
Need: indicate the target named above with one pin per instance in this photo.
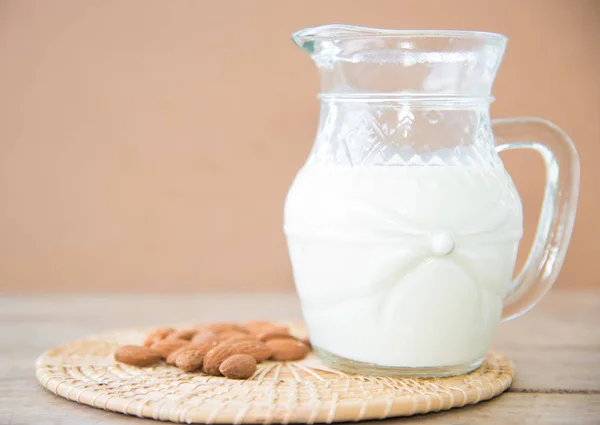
(149, 145)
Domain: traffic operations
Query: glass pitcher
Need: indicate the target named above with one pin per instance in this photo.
(403, 225)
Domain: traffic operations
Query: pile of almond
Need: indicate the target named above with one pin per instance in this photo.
(227, 349)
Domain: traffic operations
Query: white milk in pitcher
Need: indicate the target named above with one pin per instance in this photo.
(403, 266)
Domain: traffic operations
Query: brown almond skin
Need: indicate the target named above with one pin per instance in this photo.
(136, 355)
(256, 349)
(186, 334)
(239, 338)
(306, 340)
(167, 346)
(205, 337)
(287, 349)
(172, 358)
(222, 327)
(215, 357)
(203, 348)
(238, 366)
(258, 325)
(189, 360)
(224, 336)
(157, 335)
(273, 333)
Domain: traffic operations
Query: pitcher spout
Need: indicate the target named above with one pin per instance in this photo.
(307, 37)
(356, 59)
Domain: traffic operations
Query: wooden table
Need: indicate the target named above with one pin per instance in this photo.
(556, 348)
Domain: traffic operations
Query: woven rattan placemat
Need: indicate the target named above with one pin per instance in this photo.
(280, 392)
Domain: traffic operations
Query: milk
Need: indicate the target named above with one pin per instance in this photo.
(403, 266)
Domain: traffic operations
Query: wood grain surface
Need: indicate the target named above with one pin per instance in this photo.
(556, 348)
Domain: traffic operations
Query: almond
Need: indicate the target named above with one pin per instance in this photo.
(287, 349)
(240, 338)
(257, 325)
(256, 349)
(306, 340)
(167, 346)
(238, 366)
(224, 336)
(172, 358)
(136, 355)
(189, 360)
(221, 352)
(205, 337)
(203, 348)
(157, 335)
(272, 333)
(186, 334)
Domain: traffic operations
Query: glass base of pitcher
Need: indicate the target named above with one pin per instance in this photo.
(361, 368)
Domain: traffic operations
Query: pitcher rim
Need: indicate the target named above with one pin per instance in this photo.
(347, 32)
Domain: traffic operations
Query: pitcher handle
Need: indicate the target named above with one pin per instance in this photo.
(559, 206)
